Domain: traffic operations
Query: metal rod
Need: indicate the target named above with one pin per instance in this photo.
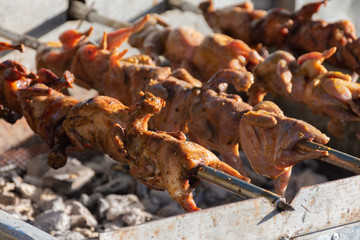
(79, 10)
(27, 40)
(335, 157)
(241, 187)
(183, 6)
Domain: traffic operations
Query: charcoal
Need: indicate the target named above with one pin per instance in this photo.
(117, 185)
(151, 204)
(121, 204)
(30, 191)
(135, 217)
(103, 206)
(162, 196)
(80, 215)
(70, 178)
(72, 235)
(52, 221)
(8, 198)
(56, 204)
(88, 233)
(22, 210)
(170, 210)
(7, 187)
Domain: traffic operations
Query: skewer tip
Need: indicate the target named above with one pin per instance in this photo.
(282, 205)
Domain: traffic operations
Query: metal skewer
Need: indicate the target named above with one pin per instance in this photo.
(335, 157)
(27, 40)
(78, 10)
(241, 187)
(183, 6)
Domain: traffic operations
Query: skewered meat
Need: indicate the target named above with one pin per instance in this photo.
(215, 117)
(235, 20)
(280, 28)
(150, 149)
(219, 51)
(308, 81)
(161, 160)
(269, 138)
(58, 55)
(124, 78)
(198, 111)
(187, 48)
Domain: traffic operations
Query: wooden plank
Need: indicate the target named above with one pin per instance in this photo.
(317, 208)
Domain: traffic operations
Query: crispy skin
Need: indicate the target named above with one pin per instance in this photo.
(307, 81)
(200, 55)
(165, 160)
(282, 29)
(268, 139)
(57, 56)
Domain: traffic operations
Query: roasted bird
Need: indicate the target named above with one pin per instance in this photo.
(150, 149)
(122, 78)
(268, 139)
(282, 29)
(206, 111)
(307, 81)
(185, 47)
(161, 160)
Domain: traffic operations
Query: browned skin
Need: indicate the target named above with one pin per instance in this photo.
(152, 148)
(282, 29)
(215, 117)
(124, 78)
(161, 160)
(57, 56)
(185, 47)
(268, 139)
(45, 109)
(308, 81)
(234, 21)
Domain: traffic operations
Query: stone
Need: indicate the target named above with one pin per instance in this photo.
(80, 215)
(70, 178)
(52, 221)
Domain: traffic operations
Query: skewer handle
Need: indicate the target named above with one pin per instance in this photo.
(78, 10)
(335, 157)
(27, 40)
(240, 187)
